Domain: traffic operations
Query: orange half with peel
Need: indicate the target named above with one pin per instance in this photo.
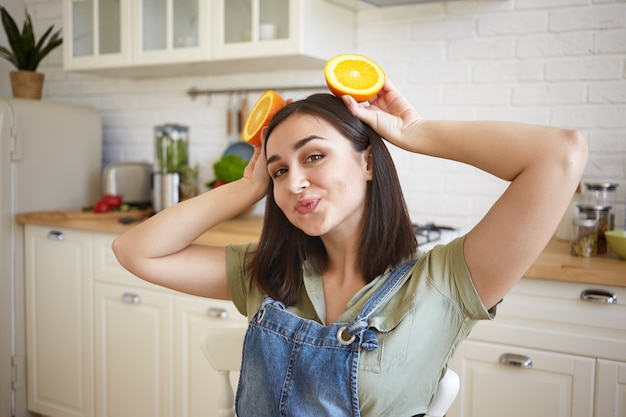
(262, 112)
(354, 75)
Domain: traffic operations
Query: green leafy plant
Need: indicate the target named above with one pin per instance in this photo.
(229, 168)
(26, 53)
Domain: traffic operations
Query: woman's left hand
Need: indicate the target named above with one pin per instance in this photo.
(391, 115)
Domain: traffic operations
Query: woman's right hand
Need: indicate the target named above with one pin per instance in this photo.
(255, 172)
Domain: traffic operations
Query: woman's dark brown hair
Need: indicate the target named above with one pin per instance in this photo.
(387, 237)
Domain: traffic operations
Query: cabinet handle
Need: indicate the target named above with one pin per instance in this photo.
(217, 313)
(514, 359)
(599, 296)
(130, 298)
(55, 235)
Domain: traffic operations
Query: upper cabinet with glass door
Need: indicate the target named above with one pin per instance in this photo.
(293, 31)
(182, 37)
(96, 34)
(171, 31)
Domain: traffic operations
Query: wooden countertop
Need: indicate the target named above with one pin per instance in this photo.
(555, 263)
(242, 229)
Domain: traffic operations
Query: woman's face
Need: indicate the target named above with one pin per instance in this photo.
(320, 181)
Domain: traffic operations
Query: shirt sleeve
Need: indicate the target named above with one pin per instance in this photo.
(237, 258)
(450, 273)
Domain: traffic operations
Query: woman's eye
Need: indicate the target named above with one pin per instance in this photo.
(314, 157)
(277, 173)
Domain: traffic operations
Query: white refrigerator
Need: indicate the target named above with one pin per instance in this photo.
(50, 159)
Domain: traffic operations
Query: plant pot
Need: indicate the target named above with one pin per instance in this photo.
(27, 84)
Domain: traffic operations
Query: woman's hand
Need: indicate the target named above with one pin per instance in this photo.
(390, 114)
(255, 172)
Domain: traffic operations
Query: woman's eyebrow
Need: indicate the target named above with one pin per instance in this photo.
(299, 144)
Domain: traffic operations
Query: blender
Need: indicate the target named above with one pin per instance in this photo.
(171, 144)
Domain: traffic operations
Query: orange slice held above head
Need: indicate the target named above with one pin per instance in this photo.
(262, 112)
(354, 75)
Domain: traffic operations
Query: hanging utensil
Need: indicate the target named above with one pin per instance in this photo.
(229, 116)
(243, 114)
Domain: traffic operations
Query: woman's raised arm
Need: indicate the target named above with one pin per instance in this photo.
(543, 164)
(161, 250)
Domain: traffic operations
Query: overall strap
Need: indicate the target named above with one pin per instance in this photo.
(360, 324)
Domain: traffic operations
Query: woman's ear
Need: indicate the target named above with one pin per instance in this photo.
(369, 163)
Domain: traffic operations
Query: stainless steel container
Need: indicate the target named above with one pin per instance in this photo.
(171, 145)
(166, 191)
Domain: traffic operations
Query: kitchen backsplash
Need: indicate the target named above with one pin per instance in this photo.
(552, 62)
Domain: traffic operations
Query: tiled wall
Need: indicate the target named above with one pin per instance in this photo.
(552, 62)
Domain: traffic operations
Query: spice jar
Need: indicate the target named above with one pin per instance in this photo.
(603, 218)
(584, 237)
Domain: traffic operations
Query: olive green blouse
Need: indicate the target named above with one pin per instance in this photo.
(418, 329)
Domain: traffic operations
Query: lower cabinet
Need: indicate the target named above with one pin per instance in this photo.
(194, 376)
(101, 342)
(500, 380)
(555, 349)
(134, 352)
(611, 389)
(59, 338)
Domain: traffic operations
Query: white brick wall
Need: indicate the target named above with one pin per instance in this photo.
(554, 62)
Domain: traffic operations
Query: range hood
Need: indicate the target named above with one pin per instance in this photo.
(366, 4)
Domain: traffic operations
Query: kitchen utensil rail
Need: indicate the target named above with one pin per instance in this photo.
(193, 92)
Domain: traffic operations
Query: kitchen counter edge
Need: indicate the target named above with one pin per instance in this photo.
(554, 263)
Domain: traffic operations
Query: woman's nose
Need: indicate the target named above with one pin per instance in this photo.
(297, 181)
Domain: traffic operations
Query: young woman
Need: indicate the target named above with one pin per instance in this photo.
(346, 317)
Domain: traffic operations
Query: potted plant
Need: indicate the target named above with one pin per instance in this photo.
(25, 53)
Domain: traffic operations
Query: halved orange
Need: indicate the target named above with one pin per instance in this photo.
(354, 75)
(262, 112)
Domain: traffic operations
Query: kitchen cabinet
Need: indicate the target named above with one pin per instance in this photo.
(134, 362)
(193, 373)
(551, 385)
(102, 342)
(96, 34)
(555, 349)
(279, 28)
(611, 401)
(117, 34)
(142, 38)
(59, 336)
(165, 33)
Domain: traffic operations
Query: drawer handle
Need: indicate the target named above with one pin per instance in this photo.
(130, 298)
(514, 359)
(217, 313)
(598, 296)
(55, 235)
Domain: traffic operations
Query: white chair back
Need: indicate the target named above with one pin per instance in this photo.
(223, 346)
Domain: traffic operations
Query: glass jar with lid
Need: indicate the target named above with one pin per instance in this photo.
(603, 219)
(600, 194)
(584, 237)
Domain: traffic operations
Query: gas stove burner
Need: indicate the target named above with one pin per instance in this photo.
(430, 232)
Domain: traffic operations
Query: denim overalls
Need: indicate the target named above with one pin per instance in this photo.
(297, 367)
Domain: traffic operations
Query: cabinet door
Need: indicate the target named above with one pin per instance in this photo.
(59, 322)
(498, 380)
(96, 33)
(196, 382)
(134, 374)
(248, 28)
(308, 30)
(611, 389)
(169, 31)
